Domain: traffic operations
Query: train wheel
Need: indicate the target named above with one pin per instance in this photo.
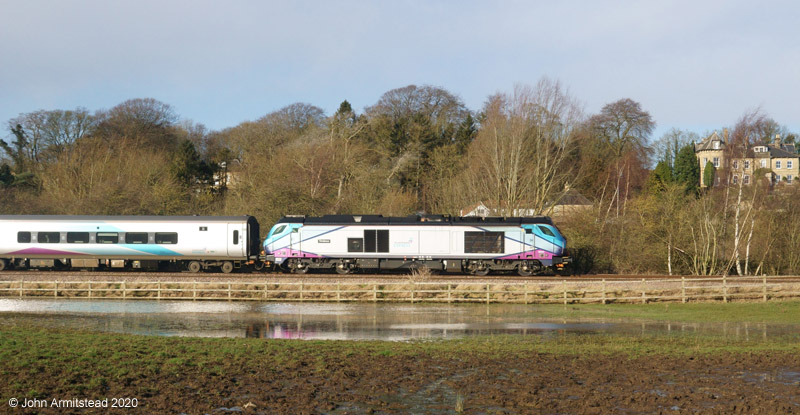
(341, 269)
(2, 264)
(525, 272)
(227, 267)
(299, 270)
(481, 272)
(194, 266)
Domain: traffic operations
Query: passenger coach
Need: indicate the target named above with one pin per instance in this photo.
(147, 242)
(458, 244)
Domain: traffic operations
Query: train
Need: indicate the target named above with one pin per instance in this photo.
(295, 244)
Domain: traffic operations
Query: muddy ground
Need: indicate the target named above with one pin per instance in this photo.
(532, 384)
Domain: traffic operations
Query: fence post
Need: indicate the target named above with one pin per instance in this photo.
(725, 288)
(90, 290)
(765, 287)
(683, 289)
(526, 293)
(159, 290)
(604, 290)
(487, 293)
(413, 287)
(123, 290)
(266, 289)
(449, 298)
(21, 287)
(338, 292)
(301, 291)
(374, 293)
(644, 296)
(194, 290)
(55, 291)
(564, 284)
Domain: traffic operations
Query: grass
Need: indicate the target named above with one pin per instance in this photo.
(775, 312)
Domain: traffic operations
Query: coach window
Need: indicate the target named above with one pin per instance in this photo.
(48, 237)
(236, 237)
(78, 237)
(166, 238)
(24, 237)
(136, 238)
(107, 237)
(355, 244)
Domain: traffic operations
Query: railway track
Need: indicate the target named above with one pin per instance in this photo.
(38, 275)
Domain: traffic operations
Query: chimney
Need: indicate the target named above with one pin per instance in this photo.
(777, 141)
(725, 136)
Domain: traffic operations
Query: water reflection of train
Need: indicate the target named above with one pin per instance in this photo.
(297, 244)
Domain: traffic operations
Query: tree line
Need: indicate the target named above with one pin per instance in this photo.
(418, 149)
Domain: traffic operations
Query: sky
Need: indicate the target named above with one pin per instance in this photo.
(694, 65)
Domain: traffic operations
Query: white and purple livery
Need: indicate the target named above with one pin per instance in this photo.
(459, 244)
(151, 242)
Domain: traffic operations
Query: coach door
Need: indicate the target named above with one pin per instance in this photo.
(235, 240)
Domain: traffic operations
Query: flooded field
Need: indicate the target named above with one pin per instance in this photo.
(341, 321)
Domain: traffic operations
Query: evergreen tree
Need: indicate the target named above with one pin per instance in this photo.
(660, 177)
(708, 174)
(687, 169)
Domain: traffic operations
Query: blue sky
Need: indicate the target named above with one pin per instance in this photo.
(695, 65)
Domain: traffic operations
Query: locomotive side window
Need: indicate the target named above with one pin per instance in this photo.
(136, 238)
(24, 237)
(484, 242)
(236, 237)
(383, 240)
(166, 238)
(107, 237)
(78, 237)
(48, 237)
(355, 245)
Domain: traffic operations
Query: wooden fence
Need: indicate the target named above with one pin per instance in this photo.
(555, 291)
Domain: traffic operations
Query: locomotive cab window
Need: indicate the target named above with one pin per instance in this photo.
(78, 237)
(236, 237)
(355, 244)
(48, 237)
(166, 238)
(23, 237)
(545, 230)
(136, 238)
(107, 237)
(376, 240)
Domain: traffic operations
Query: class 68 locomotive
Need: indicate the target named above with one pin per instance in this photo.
(440, 243)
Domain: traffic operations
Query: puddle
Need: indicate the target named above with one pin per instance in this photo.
(350, 321)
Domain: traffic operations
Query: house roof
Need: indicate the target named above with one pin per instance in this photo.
(773, 151)
(708, 143)
(572, 197)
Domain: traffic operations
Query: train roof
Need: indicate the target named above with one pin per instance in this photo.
(414, 220)
(89, 218)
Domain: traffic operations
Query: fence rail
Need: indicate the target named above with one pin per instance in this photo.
(684, 290)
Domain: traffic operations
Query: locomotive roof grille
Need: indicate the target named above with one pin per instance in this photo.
(432, 220)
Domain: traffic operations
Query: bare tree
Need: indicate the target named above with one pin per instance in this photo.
(517, 159)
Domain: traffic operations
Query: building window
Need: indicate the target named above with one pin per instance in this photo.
(746, 179)
(763, 163)
(777, 178)
(735, 179)
(788, 164)
(736, 164)
(716, 162)
(705, 161)
(747, 164)
(777, 164)
(788, 179)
